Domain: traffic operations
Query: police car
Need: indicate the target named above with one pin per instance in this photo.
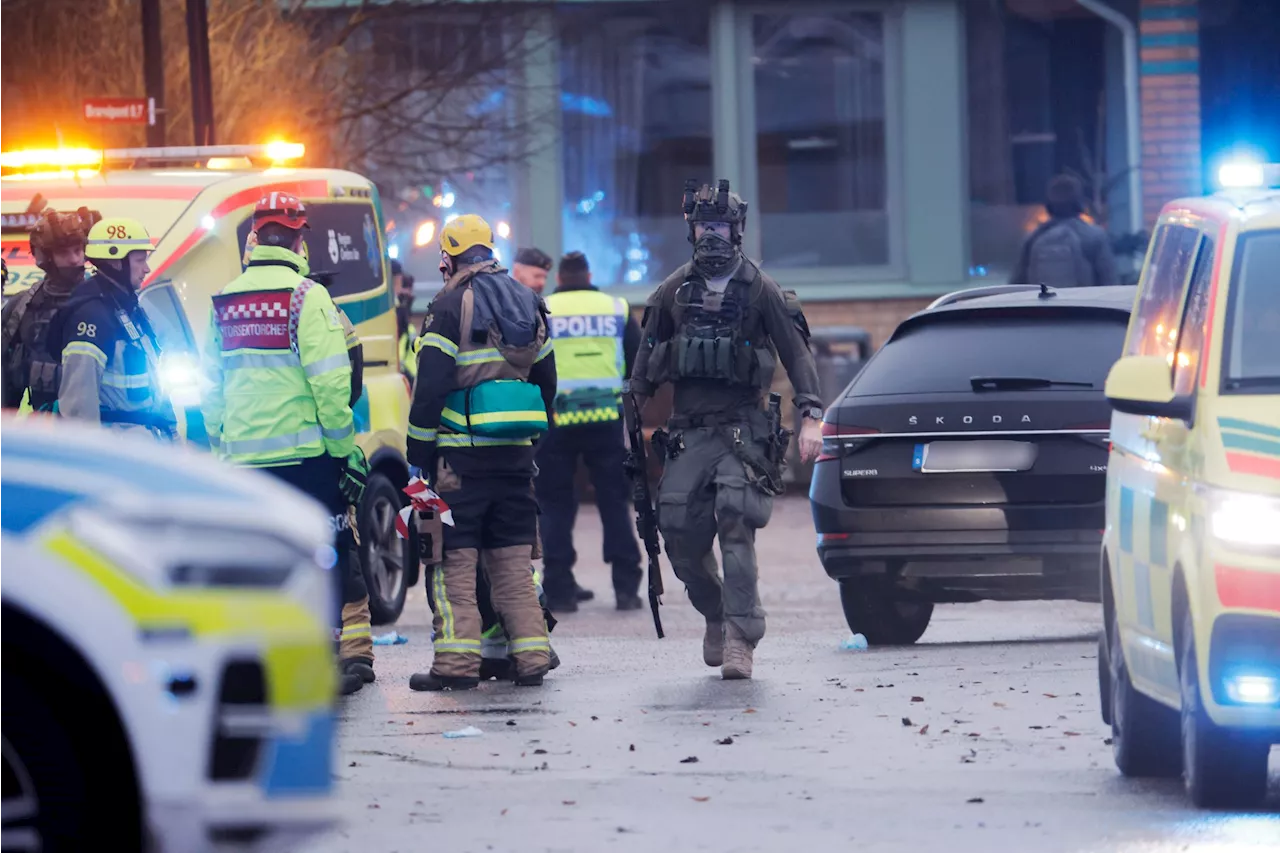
(1189, 664)
(197, 204)
(167, 647)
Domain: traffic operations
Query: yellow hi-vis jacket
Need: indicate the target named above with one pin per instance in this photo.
(587, 329)
(277, 367)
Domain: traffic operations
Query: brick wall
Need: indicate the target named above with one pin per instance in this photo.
(1170, 45)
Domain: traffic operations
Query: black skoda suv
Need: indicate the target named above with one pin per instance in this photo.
(968, 459)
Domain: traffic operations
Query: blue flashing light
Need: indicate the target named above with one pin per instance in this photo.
(393, 251)
(1253, 689)
(584, 104)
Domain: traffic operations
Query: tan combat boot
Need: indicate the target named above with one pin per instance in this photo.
(713, 644)
(737, 656)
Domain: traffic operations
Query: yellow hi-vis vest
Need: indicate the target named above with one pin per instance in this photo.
(587, 327)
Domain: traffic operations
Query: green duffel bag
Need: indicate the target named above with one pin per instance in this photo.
(499, 408)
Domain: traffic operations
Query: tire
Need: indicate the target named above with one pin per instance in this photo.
(1144, 733)
(62, 786)
(884, 620)
(383, 554)
(1221, 768)
(1104, 678)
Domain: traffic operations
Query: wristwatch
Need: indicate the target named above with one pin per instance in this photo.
(813, 412)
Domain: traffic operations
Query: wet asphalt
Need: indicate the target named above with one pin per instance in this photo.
(984, 736)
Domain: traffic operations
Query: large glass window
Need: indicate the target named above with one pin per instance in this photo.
(636, 122)
(820, 139)
(1038, 106)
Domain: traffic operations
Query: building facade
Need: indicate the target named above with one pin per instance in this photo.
(890, 150)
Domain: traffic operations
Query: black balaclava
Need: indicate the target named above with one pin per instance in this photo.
(714, 256)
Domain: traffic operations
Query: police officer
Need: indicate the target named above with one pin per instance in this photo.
(279, 395)
(531, 268)
(57, 244)
(486, 382)
(595, 340)
(108, 351)
(712, 330)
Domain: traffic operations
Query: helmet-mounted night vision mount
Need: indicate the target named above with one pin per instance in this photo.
(704, 204)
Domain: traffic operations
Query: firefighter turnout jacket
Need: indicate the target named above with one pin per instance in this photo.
(277, 366)
(109, 359)
(463, 347)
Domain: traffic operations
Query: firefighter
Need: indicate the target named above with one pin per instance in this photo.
(57, 244)
(279, 396)
(108, 351)
(486, 382)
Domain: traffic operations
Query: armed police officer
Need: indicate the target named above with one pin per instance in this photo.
(713, 330)
(57, 244)
(108, 350)
(486, 385)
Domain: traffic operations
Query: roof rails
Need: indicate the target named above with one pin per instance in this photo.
(1046, 292)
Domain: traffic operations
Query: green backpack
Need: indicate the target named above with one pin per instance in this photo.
(498, 408)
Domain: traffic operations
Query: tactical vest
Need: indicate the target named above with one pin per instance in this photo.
(587, 329)
(508, 408)
(30, 365)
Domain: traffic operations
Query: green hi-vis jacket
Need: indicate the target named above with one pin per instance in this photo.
(277, 365)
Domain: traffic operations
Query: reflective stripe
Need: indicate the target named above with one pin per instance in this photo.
(87, 349)
(421, 434)
(604, 383)
(457, 439)
(277, 442)
(364, 629)
(324, 365)
(339, 433)
(139, 241)
(251, 360)
(457, 647)
(530, 644)
(126, 380)
(546, 350)
(586, 416)
(215, 442)
(480, 356)
(440, 342)
(494, 417)
(443, 608)
(494, 632)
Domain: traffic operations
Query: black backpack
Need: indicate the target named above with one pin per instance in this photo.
(1056, 256)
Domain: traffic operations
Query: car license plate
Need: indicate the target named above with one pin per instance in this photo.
(956, 457)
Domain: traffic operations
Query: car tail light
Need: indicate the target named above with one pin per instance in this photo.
(837, 439)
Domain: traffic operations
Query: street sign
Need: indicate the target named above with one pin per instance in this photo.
(120, 110)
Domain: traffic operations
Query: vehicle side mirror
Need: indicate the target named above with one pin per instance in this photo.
(1143, 385)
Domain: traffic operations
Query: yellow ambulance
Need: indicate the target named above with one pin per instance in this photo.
(197, 203)
(1189, 663)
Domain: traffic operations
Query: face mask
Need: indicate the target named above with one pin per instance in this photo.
(70, 275)
(713, 255)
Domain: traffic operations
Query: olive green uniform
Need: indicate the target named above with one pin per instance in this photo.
(719, 346)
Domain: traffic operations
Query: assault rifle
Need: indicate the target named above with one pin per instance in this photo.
(646, 519)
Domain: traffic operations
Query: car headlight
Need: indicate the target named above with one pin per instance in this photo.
(164, 552)
(1246, 520)
(180, 379)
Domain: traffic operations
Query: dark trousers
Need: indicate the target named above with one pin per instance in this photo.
(601, 445)
(319, 477)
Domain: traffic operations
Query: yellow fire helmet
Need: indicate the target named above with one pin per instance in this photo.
(465, 232)
(114, 238)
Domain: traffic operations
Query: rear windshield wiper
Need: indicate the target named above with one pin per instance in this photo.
(1012, 383)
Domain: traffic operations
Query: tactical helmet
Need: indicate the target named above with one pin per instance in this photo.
(704, 204)
(56, 231)
(466, 232)
(115, 238)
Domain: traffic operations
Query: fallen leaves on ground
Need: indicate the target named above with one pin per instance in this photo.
(692, 759)
(700, 799)
(569, 802)
(511, 722)
(975, 800)
(906, 721)
(725, 741)
(917, 698)
(539, 752)
(924, 730)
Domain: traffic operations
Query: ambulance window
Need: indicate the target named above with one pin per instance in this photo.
(1253, 318)
(1155, 325)
(343, 246)
(167, 317)
(1191, 339)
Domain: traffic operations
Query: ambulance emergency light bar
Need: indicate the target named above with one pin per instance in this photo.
(215, 156)
(1248, 174)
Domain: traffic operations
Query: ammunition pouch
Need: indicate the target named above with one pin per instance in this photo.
(729, 359)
